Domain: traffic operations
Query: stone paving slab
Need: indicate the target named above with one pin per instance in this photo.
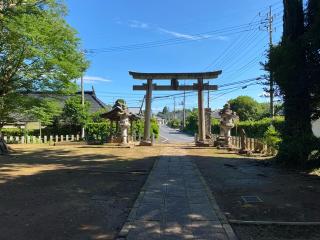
(175, 204)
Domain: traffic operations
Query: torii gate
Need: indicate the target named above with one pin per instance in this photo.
(175, 77)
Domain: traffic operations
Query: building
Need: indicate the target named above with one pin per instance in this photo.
(23, 121)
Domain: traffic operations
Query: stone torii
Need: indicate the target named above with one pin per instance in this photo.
(174, 86)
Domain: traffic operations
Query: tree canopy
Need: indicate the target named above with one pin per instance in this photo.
(39, 51)
(247, 108)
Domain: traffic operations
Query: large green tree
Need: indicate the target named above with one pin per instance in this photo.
(247, 108)
(39, 51)
(290, 64)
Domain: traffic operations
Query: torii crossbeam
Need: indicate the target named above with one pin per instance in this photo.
(174, 86)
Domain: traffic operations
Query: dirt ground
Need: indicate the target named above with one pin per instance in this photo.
(69, 192)
(286, 195)
(86, 192)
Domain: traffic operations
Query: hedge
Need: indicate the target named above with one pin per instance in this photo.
(253, 129)
(19, 132)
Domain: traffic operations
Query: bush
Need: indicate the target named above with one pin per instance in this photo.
(19, 132)
(174, 123)
(154, 127)
(138, 127)
(272, 138)
(98, 132)
(192, 122)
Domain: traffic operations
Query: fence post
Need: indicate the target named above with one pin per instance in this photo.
(61, 140)
(5, 138)
(22, 140)
(134, 137)
(40, 139)
(78, 137)
(72, 138)
(195, 138)
(45, 139)
(17, 139)
(28, 139)
(51, 138)
(57, 138)
(252, 144)
(11, 139)
(67, 138)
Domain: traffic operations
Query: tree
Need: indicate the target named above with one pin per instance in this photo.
(247, 108)
(165, 110)
(45, 112)
(312, 40)
(74, 114)
(290, 63)
(192, 122)
(39, 51)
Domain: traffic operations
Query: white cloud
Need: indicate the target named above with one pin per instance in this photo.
(92, 79)
(138, 24)
(221, 38)
(150, 27)
(185, 36)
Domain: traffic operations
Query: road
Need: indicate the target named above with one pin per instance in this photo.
(169, 135)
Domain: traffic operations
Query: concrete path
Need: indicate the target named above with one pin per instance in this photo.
(170, 135)
(176, 204)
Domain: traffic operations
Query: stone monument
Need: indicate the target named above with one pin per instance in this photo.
(227, 122)
(124, 126)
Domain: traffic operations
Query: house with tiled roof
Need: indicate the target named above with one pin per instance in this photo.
(22, 120)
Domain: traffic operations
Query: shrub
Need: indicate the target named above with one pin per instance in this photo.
(98, 132)
(192, 122)
(257, 129)
(138, 127)
(272, 138)
(174, 123)
(19, 132)
(155, 127)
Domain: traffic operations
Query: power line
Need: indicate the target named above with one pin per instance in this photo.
(174, 41)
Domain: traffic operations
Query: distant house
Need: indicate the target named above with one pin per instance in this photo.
(24, 121)
(135, 110)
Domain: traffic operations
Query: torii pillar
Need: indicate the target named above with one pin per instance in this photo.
(148, 112)
(201, 117)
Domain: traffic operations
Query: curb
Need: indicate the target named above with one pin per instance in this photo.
(224, 221)
(130, 219)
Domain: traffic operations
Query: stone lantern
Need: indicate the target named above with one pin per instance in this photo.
(227, 122)
(120, 114)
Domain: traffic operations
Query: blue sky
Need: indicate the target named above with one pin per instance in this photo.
(173, 36)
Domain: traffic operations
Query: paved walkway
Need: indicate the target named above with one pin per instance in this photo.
(175, 204)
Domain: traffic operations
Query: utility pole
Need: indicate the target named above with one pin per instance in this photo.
(208, 102)
(82, 103)
(174, 108)
(270, 30)
(142, 102)
(184, 109)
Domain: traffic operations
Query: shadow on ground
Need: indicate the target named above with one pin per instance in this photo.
(53, 193)
(56, 193)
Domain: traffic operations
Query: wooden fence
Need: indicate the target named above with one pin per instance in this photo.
(251, 144)
(40, 139)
